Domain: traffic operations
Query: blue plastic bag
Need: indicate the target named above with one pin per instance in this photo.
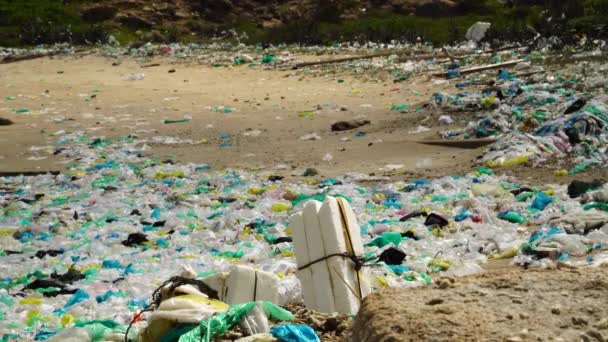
(464, 214)
(541, 201)
(78, 297)
(294, 333)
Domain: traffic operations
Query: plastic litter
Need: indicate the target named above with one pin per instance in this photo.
(477, 31)
(258, 338)
(294, 333)
(244, 284)
(176, 121)
(541, 201)
(446, 120)
(136, 77)
(117, 222)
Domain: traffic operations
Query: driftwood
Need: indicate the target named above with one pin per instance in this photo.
(405, 57)
(27, 173)
(469, 144)
(482, 54)
(482, 68)
(449, 57)
(14, 59)
(355, 58)
(382, 54)
(345, 59)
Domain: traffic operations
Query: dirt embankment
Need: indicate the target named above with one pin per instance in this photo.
(564, 305)
(266, 14)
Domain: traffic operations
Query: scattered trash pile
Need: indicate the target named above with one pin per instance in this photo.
(400, 58)
(550, 117)
(9, 55)
(212, 54)
(90, 251)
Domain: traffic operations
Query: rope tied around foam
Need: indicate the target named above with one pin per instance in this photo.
(359, 262)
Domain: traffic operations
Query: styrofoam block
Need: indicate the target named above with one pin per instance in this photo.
(316, 249)
(300, 246)
(267, 287)
(245, 284)
(341, 234)
(217, 282)
(239, 285)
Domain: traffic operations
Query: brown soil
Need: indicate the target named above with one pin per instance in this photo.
(562, 305)
(58, 92)
(207, 16)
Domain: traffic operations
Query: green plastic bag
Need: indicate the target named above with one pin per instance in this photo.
(580, 167)
(483, 171)
(175, 333)
(278, 313)
(524, 196)
(599, 206)
(268, 59)
(386, 238)
(98, 329)
(217, 325)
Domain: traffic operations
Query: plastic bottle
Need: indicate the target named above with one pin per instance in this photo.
(512, 216)
(255, 322)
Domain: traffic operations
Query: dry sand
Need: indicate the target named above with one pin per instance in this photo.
(565, 305)
(56, 92)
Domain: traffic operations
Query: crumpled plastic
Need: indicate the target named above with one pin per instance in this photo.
(580, 222)
(217, 325)
(294, 333)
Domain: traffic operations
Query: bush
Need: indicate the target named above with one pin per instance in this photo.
(31, 22)
(596, 7)
(384, 27)
(34, 22)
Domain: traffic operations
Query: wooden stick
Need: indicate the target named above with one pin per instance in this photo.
(345, 59)
(14, 59)
(482, 68)
(27, 173)
(469, 144)
(403, 58)
(382, 54)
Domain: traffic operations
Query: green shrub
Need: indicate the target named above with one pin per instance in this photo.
(596, 7)
(31, 22)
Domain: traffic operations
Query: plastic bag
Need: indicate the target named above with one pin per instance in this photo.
(255, 322)
(99, 329)
(258, 338)
(182, 310)
(541, 201)
(294, 333)
(278, 313)
(387, 238)
(79, 296)
(217, 325)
